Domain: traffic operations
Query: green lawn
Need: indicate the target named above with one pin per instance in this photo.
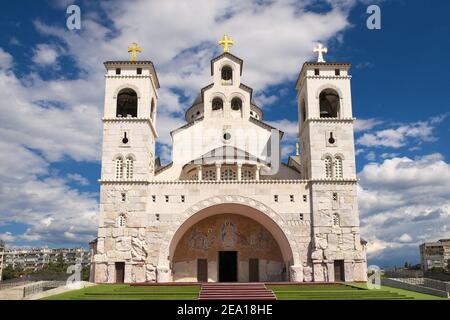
(282, 292)
(344, 292)
(126, 292)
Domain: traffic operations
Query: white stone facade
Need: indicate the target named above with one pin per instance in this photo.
(279, 222)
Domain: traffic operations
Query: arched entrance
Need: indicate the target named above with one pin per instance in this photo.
(259, 226)
(228, 248)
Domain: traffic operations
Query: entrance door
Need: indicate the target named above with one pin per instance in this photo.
(227, 266)
(339, 274)
(202, 270)
(253, 270)
(120, 272)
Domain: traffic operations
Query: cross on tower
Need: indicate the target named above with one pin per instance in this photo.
(226, 42)
(134, 49)
(320, 50)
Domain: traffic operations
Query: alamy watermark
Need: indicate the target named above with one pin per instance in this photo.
(374, 20)
(74, 280)
(73, 21)
(230, 145)
(374, 277)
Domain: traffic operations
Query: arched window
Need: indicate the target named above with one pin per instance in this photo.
(119, 168)
(336, 220)
(209, 174)
(328, 168)
(228, 174)
(129, 168)
(236, 104)
(217, 104)
(303, 111)
(227, 74)
(247, 175)
(329, 102)
(121, 221)
(152, 109)
(127, 103)
(338, 167)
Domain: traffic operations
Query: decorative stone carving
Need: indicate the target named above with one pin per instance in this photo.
(123, 244)
(139, 249)
(320, 241)
(150, 273)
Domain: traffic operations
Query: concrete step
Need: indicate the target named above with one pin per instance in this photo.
(235, 291)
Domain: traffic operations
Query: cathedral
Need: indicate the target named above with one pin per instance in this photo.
(227, 208)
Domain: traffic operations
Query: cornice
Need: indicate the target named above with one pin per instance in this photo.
(148, 120)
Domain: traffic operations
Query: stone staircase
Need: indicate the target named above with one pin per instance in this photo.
(235, 291)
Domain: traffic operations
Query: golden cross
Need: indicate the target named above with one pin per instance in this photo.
(134, 49)
(226, 42)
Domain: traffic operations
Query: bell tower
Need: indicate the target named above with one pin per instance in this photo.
(328, 162)
(129, 130)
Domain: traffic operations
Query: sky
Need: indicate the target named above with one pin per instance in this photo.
(52, 80)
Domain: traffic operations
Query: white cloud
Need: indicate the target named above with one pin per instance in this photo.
(371, 156)
(30, 195)
(182, 55)
(7, 237)
(82, 181)
(6, 60)
(45, 54)
(400, 135)
(58, 119)
(366, 124)
(404, 202)
(290, 129)
(405, 238)
(56, 131)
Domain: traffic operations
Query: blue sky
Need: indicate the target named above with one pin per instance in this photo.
(52, 80)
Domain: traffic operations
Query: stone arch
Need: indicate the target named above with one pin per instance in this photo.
(326, 155)
(127, 103)
(340, 155)
(331, 108)
(131, 156)
(127, 86)
(329, 86)
(248, 207)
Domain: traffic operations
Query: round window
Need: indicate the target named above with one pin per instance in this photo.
(227, 136)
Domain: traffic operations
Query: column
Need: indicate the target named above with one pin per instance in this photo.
(218, 166)
(199, 173)
(163, 274)
(330, 271)
(239, 171)
(296, 273)
(258, 169)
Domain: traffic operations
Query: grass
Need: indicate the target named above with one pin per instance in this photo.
(127, 292)
(344, 292)
(282, 292)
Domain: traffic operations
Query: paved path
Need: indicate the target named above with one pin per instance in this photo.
(235, 291)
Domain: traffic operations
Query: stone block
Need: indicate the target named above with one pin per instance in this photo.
(123, 244)
(307, 274)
